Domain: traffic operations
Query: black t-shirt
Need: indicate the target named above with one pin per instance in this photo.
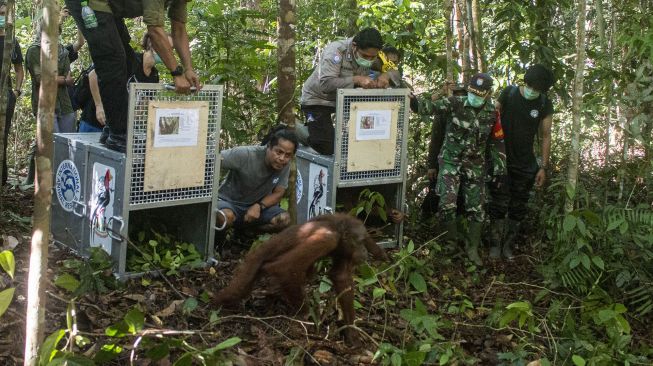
(521, 119)
(16, 55)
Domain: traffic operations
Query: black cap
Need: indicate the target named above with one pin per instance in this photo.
(480, 84)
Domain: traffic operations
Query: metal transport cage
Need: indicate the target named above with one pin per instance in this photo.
(370, 152)
(169, 175)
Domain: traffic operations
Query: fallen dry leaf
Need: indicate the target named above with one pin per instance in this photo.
(9, 242)
(170, 309)
(135, 297)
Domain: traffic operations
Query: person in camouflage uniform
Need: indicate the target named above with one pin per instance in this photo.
(471, 146)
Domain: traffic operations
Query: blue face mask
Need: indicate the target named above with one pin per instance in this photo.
(157, 59)
(2, 21)
(475, 100)
(530, 93)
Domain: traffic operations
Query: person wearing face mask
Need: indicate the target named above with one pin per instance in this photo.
(525, 111)
(343, 64)
(470, 145)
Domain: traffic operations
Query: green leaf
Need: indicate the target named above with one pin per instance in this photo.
(7, 262)
(224, 345)
(577, 360)
(574, 262)
(214, 317)
(70, 359)
(417, 281)
(598, 262)
(444, 358)
(620, 308)
(378, 292)
(520, 305)
(67, 281)
(5, 299)
(395, 359)
(614, 224)
(158, 352)
(185, 360)
(569, 223)
(585, 260)
(107, 353)
(189, 305)
(49, 347)
(135, 320)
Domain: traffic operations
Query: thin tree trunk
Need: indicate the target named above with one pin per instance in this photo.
(462, 50)
(448, 8)
(352, 17)
(286, 77)
(479, 49)
(38, 263)
(577, 104)
(470, 35)
(4, 79)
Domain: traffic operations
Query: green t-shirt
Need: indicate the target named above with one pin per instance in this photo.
(33, 64)
(100, 5)
(154, 11)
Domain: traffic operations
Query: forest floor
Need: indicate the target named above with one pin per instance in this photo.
(463, 300)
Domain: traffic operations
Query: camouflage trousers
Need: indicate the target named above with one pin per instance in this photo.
(469, 180)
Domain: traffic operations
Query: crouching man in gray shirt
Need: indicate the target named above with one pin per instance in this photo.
(256, 181)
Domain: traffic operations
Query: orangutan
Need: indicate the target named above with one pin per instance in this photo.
(288, 259)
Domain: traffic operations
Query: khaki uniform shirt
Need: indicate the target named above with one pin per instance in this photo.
(154, 11)
(336, 70)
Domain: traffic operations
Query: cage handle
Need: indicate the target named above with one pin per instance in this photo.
(172, 87)
(79, 204)
(224, 222)
(122, 225)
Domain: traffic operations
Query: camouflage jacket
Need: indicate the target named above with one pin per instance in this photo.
(462, 134)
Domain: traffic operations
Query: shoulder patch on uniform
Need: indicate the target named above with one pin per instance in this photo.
(337, 58)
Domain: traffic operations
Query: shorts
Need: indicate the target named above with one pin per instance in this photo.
(240, 210)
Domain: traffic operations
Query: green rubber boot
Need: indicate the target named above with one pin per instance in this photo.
(512, 231)
(473, 242)
(497, 229)
(450, 229)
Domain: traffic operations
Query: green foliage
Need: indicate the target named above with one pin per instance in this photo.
(162, 251)
(8, 264)
(91, 276)
(370, 202)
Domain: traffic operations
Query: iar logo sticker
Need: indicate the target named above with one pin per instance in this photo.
(535, 113)
(68, 186)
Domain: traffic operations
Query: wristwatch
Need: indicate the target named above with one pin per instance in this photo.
(178, 71)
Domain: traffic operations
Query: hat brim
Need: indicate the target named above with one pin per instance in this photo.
(477, 91)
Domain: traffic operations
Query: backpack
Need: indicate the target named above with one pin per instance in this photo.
(126, 8)
(80, 93)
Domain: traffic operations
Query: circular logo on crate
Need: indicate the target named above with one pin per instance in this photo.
(68, 185)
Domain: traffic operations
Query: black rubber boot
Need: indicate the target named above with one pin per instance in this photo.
(473, 242)
(512, 231)
(497, 229)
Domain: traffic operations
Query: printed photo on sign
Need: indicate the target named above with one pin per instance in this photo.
(176, 127)
(67, 185)
(317, 186)
(373, 125)
(101, 204)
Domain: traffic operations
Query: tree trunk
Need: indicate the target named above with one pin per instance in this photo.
(286, 76)
(352, 17)
(479, 49)
(463, 51)
(448, 8)
(577, 104)
(38, 263)
(4, 79)
(470, 35)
